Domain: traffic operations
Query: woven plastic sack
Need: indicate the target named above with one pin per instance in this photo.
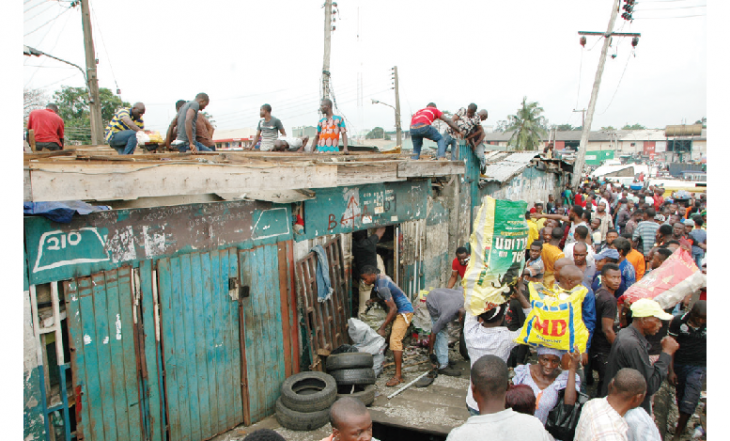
(677, 278)
(556, 319)
(498, 246)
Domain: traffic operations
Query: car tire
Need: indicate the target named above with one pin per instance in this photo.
(349, 360)
(300, 421)
(309, 392)
(358, 377)
(366, 395)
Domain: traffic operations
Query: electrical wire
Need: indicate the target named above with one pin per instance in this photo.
(39, 13)
(43, 2)
(103, 43)
(669, 18)
(580, 76)
(54, 18)
(54, 46)
(619, 82)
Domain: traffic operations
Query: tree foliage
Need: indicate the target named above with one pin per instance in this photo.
(210, 119)
(528, 125)
(702, 121)
(33, 99)
(565, 127)
(73, 107)
(636, 126)
(501, 125)
(606, 129)
(377, 133)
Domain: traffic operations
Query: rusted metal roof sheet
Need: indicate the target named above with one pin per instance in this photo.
(503, 166)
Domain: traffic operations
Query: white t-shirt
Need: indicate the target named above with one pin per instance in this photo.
(295, 143)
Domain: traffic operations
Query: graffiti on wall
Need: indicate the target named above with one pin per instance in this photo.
(105, 240)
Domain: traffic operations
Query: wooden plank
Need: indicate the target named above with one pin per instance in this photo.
(244, 367)
(96, 417)
(150, 349)
(27, 188)
(262, 315)
(188, 303)
(113, 313)
(221, 371)
(228, 382)
(179, 302)
(104, 356)
(210, 353)
(130, 348)
(250, 336)
(363, 173)
(422, 169)
(171, 356)
(200, 349)
(255, 354)
(274, 324)
(235, 342)
(293, 309)
(58, 181)
(285, 319)
(78, 363)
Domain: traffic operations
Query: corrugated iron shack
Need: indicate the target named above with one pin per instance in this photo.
(178, 313)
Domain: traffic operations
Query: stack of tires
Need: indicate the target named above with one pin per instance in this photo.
(354, 374)
(305, 400)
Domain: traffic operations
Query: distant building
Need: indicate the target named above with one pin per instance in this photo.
(299, 132)
(236, 139)
(602, 145)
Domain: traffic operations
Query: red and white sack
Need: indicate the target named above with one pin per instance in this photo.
(677, 278)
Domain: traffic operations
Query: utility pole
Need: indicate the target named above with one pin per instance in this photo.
(583, 117)
(398, 133)
(92, 81)
(327, 49)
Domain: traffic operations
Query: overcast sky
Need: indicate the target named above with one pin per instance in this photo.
(245, 53)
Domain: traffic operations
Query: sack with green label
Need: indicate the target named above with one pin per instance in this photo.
(498, 246)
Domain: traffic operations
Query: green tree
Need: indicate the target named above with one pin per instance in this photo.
(210, 119)
(565, 127)
(636, 126)
(702, 121)
(606, 129)
(377, 133)
(528, 125)
(73, 107)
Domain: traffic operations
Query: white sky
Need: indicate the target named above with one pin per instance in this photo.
(493, 53)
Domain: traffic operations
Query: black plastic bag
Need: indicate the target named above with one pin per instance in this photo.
(563, 419)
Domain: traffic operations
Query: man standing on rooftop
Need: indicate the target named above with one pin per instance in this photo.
(187, 119)
(421, 128)
(329, 129)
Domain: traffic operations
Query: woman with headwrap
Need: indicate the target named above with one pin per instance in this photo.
(547, 379)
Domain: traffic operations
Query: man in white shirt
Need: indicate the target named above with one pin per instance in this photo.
(602, 419)
(489, 383)
(290, 143)
(485, 335)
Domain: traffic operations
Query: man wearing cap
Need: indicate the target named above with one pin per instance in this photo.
(631, 349)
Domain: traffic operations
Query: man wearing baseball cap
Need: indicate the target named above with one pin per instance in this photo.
(631, 349)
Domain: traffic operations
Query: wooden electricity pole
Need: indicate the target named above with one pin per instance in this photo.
(580, 160)
(327, 49)
(398, 133)
(97, 129)
(583, 116)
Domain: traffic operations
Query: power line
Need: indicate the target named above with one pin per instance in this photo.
(619, 82)
(34, 30)
(54, 46)
(43, 2)
(41, 12)
(103, 43)
(669, 18)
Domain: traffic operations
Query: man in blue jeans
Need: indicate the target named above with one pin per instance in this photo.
(421, 128)
(469, 121)
(187, 119)
(444, 305)
(121, 133)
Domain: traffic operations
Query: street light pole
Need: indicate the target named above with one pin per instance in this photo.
(398, 133)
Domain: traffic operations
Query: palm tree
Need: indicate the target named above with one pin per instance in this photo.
(528, 126)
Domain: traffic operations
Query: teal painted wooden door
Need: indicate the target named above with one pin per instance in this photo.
(201, 351)
(268, 338)
(104, 357)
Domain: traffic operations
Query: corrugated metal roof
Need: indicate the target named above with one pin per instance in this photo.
(503, 166)
(597, 135)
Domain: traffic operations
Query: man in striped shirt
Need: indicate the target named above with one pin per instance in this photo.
(121, 133)
(421, 128)
(646, 230)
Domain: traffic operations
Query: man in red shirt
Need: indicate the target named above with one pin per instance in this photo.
(421, 128)
(658, 199)
(458, 266)
(47, 127)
